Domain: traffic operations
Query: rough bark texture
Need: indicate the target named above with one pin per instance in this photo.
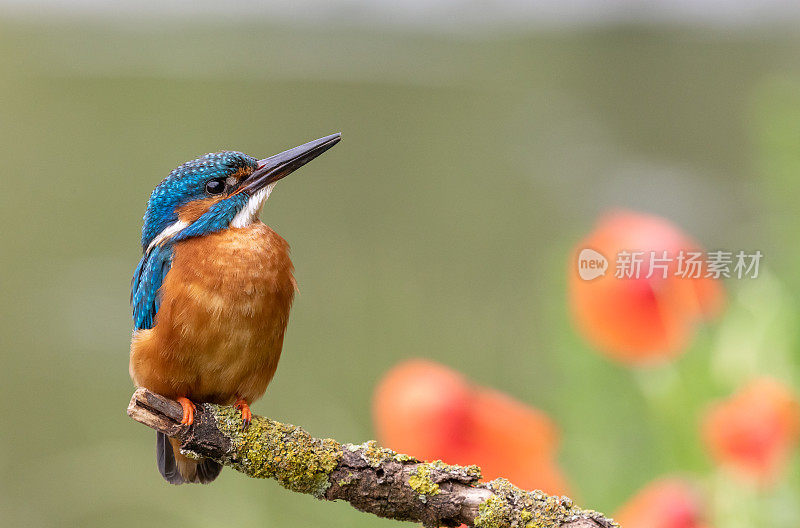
(371, 478)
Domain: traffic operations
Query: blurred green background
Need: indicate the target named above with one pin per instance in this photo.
(440, 227)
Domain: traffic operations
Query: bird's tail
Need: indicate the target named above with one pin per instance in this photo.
(178, 469)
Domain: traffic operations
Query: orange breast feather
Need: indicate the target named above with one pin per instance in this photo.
(224, 307)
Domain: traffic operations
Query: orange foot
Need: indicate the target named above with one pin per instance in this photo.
(188, 410)
(246, 414)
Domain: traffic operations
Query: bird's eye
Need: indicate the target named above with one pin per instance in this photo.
(215, 186)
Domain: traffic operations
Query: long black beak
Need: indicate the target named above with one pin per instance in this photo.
(275, 167)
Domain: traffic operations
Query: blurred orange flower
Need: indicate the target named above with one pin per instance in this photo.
(638, 319)
(432, 412)
(755, 430)
(665, 503)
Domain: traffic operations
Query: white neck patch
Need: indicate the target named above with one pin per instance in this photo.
(249, 212)
(167, 233)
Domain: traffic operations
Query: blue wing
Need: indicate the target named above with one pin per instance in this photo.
(147, 279)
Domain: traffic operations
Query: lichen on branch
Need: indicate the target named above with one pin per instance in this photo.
(270, 449)
(371, 478)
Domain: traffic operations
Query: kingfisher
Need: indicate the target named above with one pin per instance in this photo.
(212, 293)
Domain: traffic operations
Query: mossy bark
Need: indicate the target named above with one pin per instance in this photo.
(371, 478)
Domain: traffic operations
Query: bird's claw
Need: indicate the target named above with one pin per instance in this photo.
(247, 416)
(188, 411)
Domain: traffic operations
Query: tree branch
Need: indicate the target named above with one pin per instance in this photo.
(372, 479)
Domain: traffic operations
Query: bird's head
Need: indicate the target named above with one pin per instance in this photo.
(220, 190)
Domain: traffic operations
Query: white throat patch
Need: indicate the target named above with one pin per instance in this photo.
(249, 212)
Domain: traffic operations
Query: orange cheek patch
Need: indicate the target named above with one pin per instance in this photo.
(194, 210)
(241, 173)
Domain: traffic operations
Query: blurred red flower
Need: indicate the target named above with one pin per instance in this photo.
(432, 412)
(665, 503)
(754, 430)
(641, 319)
